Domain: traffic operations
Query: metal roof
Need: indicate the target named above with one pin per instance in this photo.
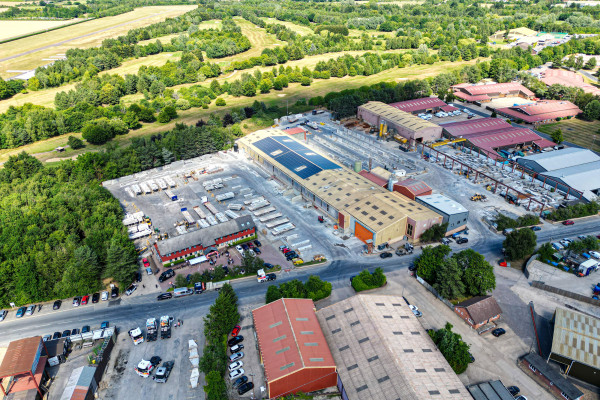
(443, 204)
(553, 375)
(541, 111)
(398, 117)
(290, 338)
(379, 181)
(418, 104)
(576, 337)
(581, 177)
(492, 390)
(383, 352)
(20, 356)
(564, 158)
(470, 127)
(206, 236)
(567, 78)
(497, 88)
(415, 186)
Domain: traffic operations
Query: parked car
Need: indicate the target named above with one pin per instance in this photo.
(3, 315)
(257, 243)
(239, 248)
(166, 275)
(149, 271)
(104, 325)
(567, 222)
(256, 250)
(269, 266)
(76, 301)
(145, 262)
(595, 254)
(236, 330)
(521, 398)
(240, 381)
(164, 296)
(445, 241)
(85, 329)
(250, 245)
(386, 254)
(138, 276)
(21, 312)
(235, 365)
(236, 373)
(498, 332)
(56, 304)
(66, 333)
(30, 310)
(46, 338)
(85, 299)
(95, 297)
(56, 335)
(236, 356)
(131, 289)
(236, 348)
(271, 277)
(412, 267)
(462, 240)
(74, 331)
(245, 388)
(514, 390)
(245, 247)
(536, 228)
(235, 340)
(471, 358)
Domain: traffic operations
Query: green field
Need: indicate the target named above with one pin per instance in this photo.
(577, 131)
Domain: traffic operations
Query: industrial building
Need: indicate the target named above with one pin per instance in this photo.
(383, 352)
(491, 390)
(485, 93)
(567, 168)
(478, 311)
(550, 378)
(567, 78)
(203, 241)
(492, 134)
(410, 188)
(81, 385)
(23, 368)
(357, 205)
(576, 345)
(409, 126)
(292, 348)
(452, 212)
(541, 112)
(418, 106)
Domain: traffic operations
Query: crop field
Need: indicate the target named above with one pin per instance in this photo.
(14, 28)
(577, 131)
(32, 52)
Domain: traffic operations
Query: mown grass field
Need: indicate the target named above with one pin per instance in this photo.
(84, 35)
(577, 131)
(14, 28)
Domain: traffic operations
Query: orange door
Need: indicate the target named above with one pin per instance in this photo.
(362, 233)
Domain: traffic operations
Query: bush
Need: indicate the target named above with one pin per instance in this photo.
(519, 244)
(504, 222)
(575, 211)
(314, 289)
(75, 143)
(365, 280)
(220, 102)
(167, 265)
(178, 262)
(167, 114)
(434, 233)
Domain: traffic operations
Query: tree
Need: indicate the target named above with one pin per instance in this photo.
(265, 85)
(215, 387)
(316, 289)
(478, 276)
(545, 252)
(97, 131)
(366, 280)
(249, 89)
(519, 244)
(591, 64)
(180, 281)
(434, 233)
(557, 136)
(592, 110)
(449, 282)
(430, 260)
(220, 102)
(454, 349)
(75, 143)
(273, 293)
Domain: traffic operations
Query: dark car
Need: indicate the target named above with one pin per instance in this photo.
(85, 329)
(104, 325)
(138, 276)
(498, 332)
(164, 296)
(352, 277)
(66, 333)
(269, 266)
(56, 304)
(56, 335)
(95, 297)
(235, 340)
(166, 275)
(412, 267)
(471, 358)
(271, 277)
(74, 331)
(114, 292)
(245, 387)
(257, 250)
(514, 390)
(568, 222)
(462, 240)
(245, 247)
(536, 228)
(257, 243)
(240, 381)
(236, 330)
(387, 254)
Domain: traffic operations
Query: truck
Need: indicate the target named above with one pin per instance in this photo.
(261, 276)
(199, 287)
(165, 326)
(151, 329)
(136, 335)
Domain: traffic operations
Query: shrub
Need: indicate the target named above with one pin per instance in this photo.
(434, 233)
(504, 222)
(519, 244)
(178, 262)
(220, 102)
(575, 211)
(314, 289)
(75, 143)
(366, 280)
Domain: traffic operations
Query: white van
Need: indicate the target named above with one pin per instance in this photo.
(183, 291)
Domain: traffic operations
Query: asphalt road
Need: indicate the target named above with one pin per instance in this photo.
(130, 312)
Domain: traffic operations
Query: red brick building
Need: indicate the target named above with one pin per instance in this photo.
(478, 311)
(205, 240)
(550, 378)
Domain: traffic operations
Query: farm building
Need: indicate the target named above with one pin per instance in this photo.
(485, 93)
(541, 112)
(359, 206)
(567, 78)
(576, 345)
(493, 134)
(478, 311)
(452, 212)
(205, 240)
(567, 168)
(292, 348)
(417, 106)
(399, 122)
(383, 352)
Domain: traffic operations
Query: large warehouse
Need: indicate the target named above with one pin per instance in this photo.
(383, 352)
(423, 105)
(293, 348)
(576, 345)
(568, 168)
(405, 124)
(567, 78)
(360, 207)
(452, 212)
(541, 112)
(485, 93)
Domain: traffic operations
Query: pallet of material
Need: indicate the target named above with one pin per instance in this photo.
(258, 205)
(203, 223)
(254, 200)
(277, 222)
(199, 212)
(211, 220)
(235, 207)
(270, 217)
(231, 214)
(225, 196)
(221, 217)
(245, 190)
(136, 189)
(188, 217)
(264, 211)
(170, 181)
(146, 188)
(153, 186)
(163, 185)
(210, 207)
(129, 192)
(283, 228)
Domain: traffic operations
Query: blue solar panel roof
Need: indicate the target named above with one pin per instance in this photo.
(294, 156)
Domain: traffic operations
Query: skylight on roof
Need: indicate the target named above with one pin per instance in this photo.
(300, 168)
(276, 152)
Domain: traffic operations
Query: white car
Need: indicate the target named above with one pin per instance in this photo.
(251, 253)
(104, 295)
(413, 308)
(236, 356)
(565, 243)
(417, 313)
(237, 373)
(235, 365)
(595, 254)
(239, 248)
(236, 348)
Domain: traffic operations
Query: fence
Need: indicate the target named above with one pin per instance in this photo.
(566, 293)
(435, 293)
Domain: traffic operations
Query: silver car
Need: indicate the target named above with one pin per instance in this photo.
(30, 310)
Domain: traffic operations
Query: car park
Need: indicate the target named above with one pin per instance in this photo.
(164, 296)
(66, 333)
(56, 304)
(85, 299)
(21, 311)
(85, 329)
(3, 315)
(498, 332)
(236, 373)
(235, 365)
(240, 381)
(56, 335)
(131, 289)
(95, 297)
(236, 330)
(235, 340)
(513, 390)
(236, 348)
(30, 310)
(386, 254)
(245, 388)
(236, 356)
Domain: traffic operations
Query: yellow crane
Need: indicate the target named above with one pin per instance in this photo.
(447, 142)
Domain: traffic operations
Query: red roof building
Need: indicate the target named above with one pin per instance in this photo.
(419, 105)
(293, 349)
(376, 179)
(24, 365)
(567, 78)
(475, 126)
(542, 111)
(412, 188)
(294, 131)
(484, 93)
(448, 108)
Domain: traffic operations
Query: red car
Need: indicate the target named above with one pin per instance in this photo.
(85, 300)
(568, 222)
(286, 250)
(146, 263)
(236, 330)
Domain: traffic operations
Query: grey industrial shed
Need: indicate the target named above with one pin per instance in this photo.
(492, 390)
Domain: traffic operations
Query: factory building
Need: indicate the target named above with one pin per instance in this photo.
(485, 93)
(418, 106)
(541, 112)
(452, 212)
(409, 126)
(372, 213)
